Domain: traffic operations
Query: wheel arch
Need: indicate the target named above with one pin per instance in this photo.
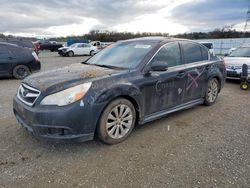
(127, 92)
(217, 75)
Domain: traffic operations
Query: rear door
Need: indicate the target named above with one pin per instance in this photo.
(195, 57)
(6, 60)
(78, 49)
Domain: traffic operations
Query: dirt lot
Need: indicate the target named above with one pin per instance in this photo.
(200, 147)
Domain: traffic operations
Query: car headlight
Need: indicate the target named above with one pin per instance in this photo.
(67, 96)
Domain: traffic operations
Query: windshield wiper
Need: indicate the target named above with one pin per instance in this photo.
(107, 66)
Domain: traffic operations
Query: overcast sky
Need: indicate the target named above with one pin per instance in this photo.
(76, 17)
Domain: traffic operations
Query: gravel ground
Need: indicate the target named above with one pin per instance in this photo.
(199, 147)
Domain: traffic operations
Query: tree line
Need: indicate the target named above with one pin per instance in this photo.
(111, 36)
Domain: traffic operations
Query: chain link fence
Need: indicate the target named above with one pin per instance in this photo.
(222, 46)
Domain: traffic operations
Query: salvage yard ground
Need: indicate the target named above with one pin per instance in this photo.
(200, 147)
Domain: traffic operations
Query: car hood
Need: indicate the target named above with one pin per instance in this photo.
(63, 48)
(229, 61)
(66, 76)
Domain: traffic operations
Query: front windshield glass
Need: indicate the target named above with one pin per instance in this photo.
(241, 52)
(122, 54)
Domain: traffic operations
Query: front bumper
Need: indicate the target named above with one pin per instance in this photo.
(71, 122)
(62, 52)
(234, 74)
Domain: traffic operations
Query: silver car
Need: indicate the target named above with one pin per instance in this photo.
(235, 61)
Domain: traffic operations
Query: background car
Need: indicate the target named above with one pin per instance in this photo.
(48, 45)
(77, 49)
(17, 61)
(235, 60)
(21, 42)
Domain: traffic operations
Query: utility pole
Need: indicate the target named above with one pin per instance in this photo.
(247, 23)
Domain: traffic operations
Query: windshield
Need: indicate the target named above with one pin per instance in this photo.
(122, 54)
(241, 52)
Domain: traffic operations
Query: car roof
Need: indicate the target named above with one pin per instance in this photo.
(158, 39)
(8, 44)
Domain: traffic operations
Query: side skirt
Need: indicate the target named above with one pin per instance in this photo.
(162, 113)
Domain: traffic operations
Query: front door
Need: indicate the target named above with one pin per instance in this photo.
(165, 89)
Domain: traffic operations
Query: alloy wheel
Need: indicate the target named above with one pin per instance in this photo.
(119, 121)
(212, 91)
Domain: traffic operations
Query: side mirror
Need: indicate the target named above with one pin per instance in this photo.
(159, 66)
(226, 54)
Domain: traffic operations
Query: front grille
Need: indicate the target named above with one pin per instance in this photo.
(232, 74)
(27, 94)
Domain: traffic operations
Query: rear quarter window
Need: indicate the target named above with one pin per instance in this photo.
(208, 45)
(204, 53)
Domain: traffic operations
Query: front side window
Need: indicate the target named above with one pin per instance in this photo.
(169, 53)
(192, 52)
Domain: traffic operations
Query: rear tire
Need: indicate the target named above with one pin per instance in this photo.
(211, 92)
(117, 121)
(70, 54)
(21, 71)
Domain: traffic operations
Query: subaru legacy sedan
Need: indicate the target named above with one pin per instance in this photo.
(129, 82)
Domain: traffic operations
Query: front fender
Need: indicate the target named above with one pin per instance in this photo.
(115, 91)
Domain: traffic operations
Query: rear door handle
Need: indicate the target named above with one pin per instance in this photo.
(181, 74)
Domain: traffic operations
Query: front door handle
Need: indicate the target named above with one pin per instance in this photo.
(208, 67)
(181, 74)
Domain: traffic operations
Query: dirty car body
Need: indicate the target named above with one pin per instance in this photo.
(152, 90)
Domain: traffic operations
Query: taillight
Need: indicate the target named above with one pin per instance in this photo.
(35, 56)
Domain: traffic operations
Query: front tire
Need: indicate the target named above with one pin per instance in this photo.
(117, 121)
(211, 92)
(21, 71)
(70, 54)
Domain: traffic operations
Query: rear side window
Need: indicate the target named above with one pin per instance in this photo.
(192, 52)
(170, 53)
